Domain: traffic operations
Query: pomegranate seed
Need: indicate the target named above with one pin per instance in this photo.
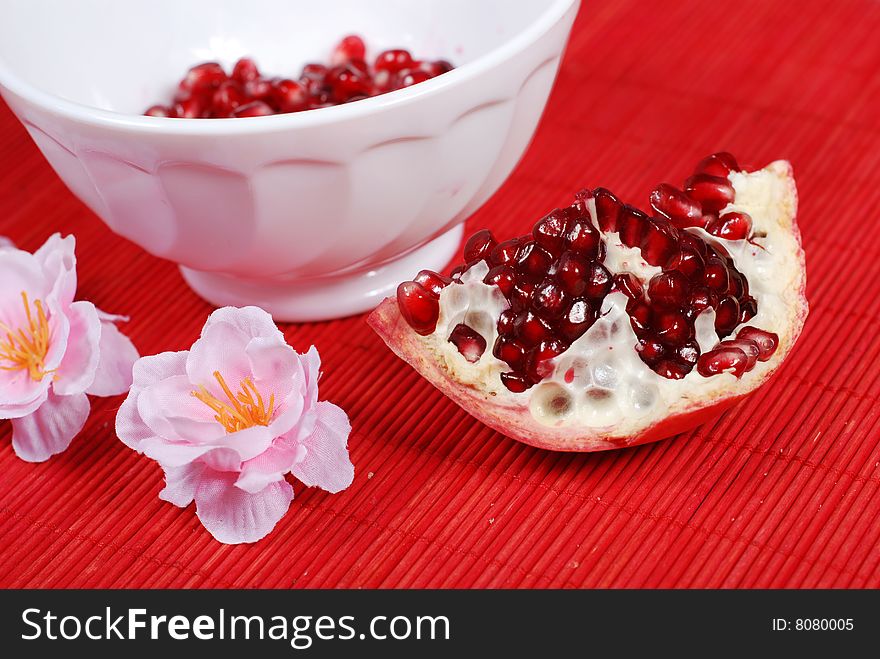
(505, 322)
(471, 345)
(732, 226)
(351, 47)
(245, 70)
(190, 108)
(436, 68)
(258, 90)
(531, 329)
(718, 164)
(581, 205)
(432, 282)
(314, 71)
(688, 352)
(578, 320)
(631, 224)
(227, 98)
(607, 210)
(721, 360)
(550, 232)
(504, 252)
(502, 276)
(748, 309)
(393, 61)
(726, 315)
(583, 238)
(598, 281)
(701, 298)
(628, 284)
(412, 77)
(515, 382)
(289, 96)
(254, 109)
(521, 298)
(689, 240)
(640, 315)
(202, 78)
(572, 272)
(713, 192)
(672, 370)
(750, 348)
(669, 289)
(715, 275)
(549, 300)
(737, 286)
(478, 245)
(767, 342)
(345, 82)
(676, 205)
(688, 262)
(158, 111)
(418, 307)
(510, 351)
(673, 328)
(533, 261)
(539, 366)
(651, 350)
(659, 241)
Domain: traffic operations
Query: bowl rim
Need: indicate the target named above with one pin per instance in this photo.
(89, 114)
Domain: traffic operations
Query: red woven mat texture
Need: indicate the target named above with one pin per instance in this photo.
(782, 491)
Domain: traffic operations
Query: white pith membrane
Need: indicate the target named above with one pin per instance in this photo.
(612, 391)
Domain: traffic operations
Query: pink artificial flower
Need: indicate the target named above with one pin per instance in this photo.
(229, 418)
(53, 351)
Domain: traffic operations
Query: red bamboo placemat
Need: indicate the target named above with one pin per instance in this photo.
(780, 492)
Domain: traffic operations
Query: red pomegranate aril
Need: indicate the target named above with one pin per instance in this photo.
(715, 275)
(659, 241)
(521, 298)
(227, 98)
(549, 300)
(681, 210)
(672, 327)
(433, 282)
(479, 245)
(419, 307)
(631, 224)
(669, 289)
(721, 360)
(628, 284)
(718, 164)
(159, 111)
(583, 238)
(515, 382)
(350, 48)
(550, 232)
(258, 90)
(254, 109)
(502, 276)
(393, 60)
(202, 78)
(245, 70)
(673, 370)
(412, 77)
(767, 342)
(608, 209)
(577, 320)
(510, 351)
(533, 261)
(701, 298)
(531, 328)
(505, 322)
(750, 348)
(471, 345)
(345, 82)
(688, 262)
(732, 226)
(726, 315)
(571, 272)
(598, 281)
(737, 285)
(190, 108)
(640, 315)
(748, 309)
(313, 71)
(713, 192)
(289, 96)
(539, 366)
(651, 350)
(688, 353)
(504, 252)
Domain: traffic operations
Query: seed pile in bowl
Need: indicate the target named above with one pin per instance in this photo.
(208, 92)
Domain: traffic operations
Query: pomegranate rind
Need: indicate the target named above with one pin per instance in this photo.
(513, 418)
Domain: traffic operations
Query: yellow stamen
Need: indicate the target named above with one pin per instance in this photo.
(244, 410)
(26, 348)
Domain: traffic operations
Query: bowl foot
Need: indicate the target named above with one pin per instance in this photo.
(324, 299)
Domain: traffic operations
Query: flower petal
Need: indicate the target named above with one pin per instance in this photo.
(76, 372)
(270, 466)
(153, 368)
(130, 427)
(234, 516)
(117, 357)
(327, 464)
(171, 411)
(57, 258)
(51, 428)
(6, 243)
(181, 483)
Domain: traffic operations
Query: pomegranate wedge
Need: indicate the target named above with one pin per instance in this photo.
(607, 326)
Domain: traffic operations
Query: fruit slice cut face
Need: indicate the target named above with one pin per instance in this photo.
(611, 326)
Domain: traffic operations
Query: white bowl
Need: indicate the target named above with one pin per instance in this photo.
(311, 215)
